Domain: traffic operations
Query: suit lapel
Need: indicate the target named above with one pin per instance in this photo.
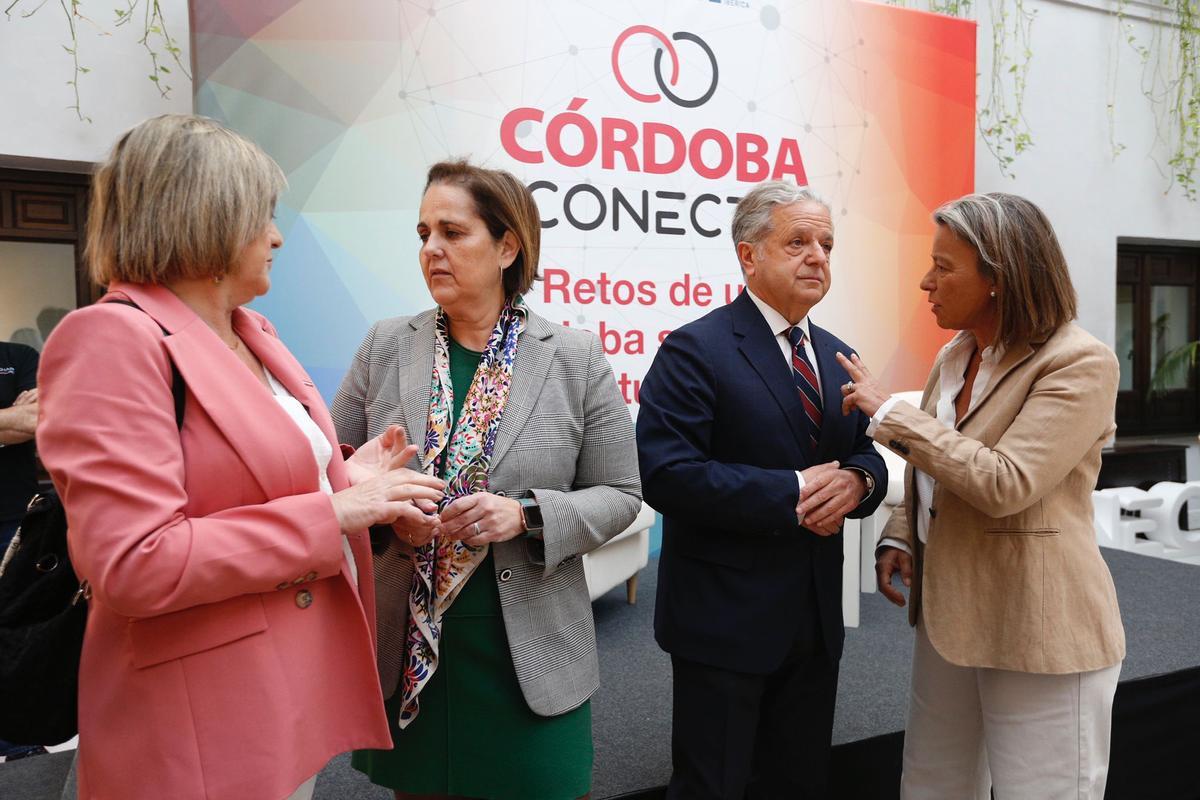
(831, 377)
(269, 444)
(1010, 361)
(415, 376)
(535, 354)
(279, 361)
(758, 345)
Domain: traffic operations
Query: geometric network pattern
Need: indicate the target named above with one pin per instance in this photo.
(355, 101)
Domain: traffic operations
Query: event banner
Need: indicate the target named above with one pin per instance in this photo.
(637, 126)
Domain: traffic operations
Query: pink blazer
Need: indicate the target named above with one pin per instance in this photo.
(228, 654)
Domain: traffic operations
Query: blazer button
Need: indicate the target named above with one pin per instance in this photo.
(505, 575)
(298, 581)
(310, 577)
(304, 598)
(280, 587)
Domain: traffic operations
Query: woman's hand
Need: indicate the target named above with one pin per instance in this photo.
(890, 561)
(481, 518)
(418, 532)
(387, 498)
(863, 391)
(385, 452)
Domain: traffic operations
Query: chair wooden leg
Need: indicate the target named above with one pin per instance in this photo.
(631, 590)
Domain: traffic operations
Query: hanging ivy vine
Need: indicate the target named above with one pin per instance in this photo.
(1002, 122)
(1171, 82)
(1001, 117)
(157, 40)
(1170, 61)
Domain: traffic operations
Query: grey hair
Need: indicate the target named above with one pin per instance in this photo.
(752, 216)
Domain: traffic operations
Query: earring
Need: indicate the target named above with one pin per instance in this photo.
(993, 293)
(217, 279)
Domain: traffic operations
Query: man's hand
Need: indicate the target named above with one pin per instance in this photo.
(828, 497)
(890, 561)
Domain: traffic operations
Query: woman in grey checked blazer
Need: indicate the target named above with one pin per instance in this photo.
(487, 652)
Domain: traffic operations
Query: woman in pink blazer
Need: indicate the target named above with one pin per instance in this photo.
(229, 649)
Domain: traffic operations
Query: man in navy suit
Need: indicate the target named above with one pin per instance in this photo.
(745, 451)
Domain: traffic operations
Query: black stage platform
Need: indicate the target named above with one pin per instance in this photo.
(1156, 727)
(1156, 730)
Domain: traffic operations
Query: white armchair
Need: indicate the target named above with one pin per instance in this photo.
(620, 558)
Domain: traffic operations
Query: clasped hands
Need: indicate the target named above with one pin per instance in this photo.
(829, 494)
(409, 501)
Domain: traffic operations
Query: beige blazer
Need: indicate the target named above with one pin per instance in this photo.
(1011, 576)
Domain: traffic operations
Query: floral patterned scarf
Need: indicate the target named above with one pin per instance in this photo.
(443, 565)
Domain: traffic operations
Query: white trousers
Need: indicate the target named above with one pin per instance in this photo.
(1027, 736)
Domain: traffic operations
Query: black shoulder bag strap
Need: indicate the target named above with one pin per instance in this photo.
(177, 385)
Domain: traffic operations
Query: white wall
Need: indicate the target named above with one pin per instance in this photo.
(34, 276)
(35, 120)
(1090, 197)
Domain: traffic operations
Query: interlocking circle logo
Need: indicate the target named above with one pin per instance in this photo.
(669, 48)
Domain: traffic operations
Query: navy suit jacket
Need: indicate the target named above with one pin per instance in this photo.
(721, 434)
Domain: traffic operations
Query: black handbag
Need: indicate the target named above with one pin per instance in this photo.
(43, 615)
(42, 619)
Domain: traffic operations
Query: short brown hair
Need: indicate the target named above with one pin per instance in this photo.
(178, 197)
(504, 204)
(1019, 252)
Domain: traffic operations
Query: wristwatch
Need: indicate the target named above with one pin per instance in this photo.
(870, 480)
(531, 516)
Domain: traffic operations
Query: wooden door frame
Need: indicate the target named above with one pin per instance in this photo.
(51, 207)
(1136, 266)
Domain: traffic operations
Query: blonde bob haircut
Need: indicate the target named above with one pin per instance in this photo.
(504, 204)
(1020, 254)
(179, 197)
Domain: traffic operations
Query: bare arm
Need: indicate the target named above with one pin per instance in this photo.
(17, 423)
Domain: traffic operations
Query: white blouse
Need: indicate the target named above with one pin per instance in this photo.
(322, 449)
(951, 380)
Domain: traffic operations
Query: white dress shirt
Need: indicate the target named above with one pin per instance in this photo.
(951, 380)
(780, 327)
(322, 449)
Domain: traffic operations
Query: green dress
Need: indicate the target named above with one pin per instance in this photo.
(475, 735)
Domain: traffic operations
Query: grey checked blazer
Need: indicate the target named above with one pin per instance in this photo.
(567, 435)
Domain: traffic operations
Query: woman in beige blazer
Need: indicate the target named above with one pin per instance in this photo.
(1018, 636)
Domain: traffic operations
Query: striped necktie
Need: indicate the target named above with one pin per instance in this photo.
(806, 381)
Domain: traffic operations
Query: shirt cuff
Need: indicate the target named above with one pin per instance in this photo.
(800, 487)
(888, 541)
(869, 479)
(877, 417)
